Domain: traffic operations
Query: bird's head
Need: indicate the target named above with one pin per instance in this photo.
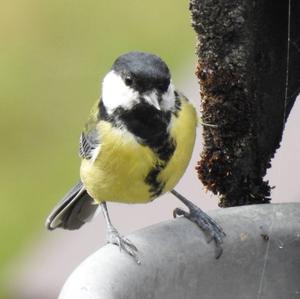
(135, 78)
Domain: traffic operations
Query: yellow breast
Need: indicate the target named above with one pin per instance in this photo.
(120, 170)
(184, 133)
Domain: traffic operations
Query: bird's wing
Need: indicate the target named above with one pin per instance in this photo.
(75, 209)
(89, 142)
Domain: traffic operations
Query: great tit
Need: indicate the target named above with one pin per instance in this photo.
(135, 147)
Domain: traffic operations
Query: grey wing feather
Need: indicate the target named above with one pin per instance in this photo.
(75, 209)
(88, 143)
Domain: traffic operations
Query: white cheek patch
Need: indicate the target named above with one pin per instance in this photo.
(116, 93)
(168, 99)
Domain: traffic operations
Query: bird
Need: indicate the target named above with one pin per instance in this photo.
(135, 146)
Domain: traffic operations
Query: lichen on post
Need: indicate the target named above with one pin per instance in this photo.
(242, 50)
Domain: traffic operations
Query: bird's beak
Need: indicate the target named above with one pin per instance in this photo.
(152, 99)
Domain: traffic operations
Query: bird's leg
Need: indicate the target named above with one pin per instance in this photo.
(211, 228)
(115, 238)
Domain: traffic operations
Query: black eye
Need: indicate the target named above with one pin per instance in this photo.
(128, 80)
(163, 86)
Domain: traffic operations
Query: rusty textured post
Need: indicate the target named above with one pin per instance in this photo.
(243, 73)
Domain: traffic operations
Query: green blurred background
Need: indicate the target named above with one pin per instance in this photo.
(52, 56)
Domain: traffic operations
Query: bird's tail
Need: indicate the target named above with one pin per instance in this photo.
(75, 209)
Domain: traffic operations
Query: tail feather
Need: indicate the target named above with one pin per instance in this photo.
(75, 209)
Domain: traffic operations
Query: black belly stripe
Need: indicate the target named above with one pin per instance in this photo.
(150, 127)
(164, 153)
(155, 186)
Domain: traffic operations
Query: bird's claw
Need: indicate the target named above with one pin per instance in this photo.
(113, 237)
(212, 229)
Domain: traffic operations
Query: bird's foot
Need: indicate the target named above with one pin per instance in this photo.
(113, 237)
(212, 229)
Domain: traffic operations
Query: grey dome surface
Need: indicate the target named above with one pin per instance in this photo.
(261, 259)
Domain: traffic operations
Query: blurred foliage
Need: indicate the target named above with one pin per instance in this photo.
(52, 56)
